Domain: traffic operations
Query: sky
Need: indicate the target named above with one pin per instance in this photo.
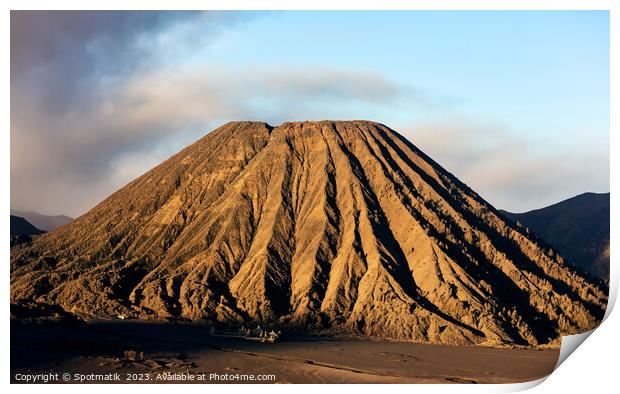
(514, 103)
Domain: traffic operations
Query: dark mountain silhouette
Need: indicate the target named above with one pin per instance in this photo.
(340, 227)
(20, 226)
(22, 231)
(43, 222)
(578, 228)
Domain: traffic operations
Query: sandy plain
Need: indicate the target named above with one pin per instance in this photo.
(141, 352)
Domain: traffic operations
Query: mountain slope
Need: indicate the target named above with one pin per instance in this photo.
(43, 222)
(338, 226)
(578, 228)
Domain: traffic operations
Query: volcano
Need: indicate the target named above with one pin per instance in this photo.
(340, 227)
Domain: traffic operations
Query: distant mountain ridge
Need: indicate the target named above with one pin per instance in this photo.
(578, 228)
(43, 222)
(22, 231)
(20, 226)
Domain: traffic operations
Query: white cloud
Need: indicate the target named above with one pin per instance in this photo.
(77, 154)
(507, 168)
